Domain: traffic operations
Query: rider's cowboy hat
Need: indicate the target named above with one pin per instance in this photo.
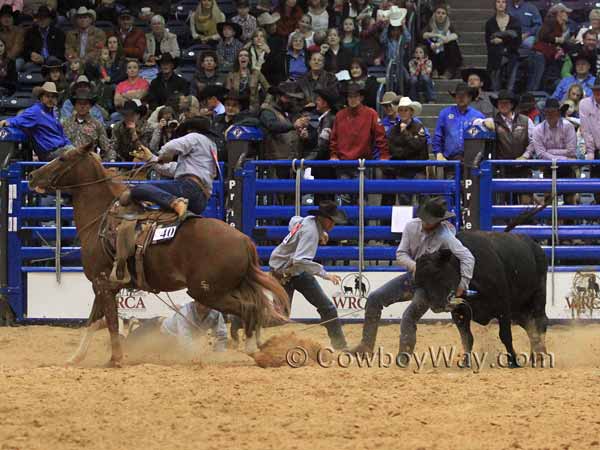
(434, 210)
(406, 102)
(505, 94)
(268, 19)
(83, 11)
(330, 210)
(47, 88)
(397, 16)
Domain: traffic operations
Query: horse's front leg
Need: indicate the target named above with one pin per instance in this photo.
(108, 294)
(252, 340)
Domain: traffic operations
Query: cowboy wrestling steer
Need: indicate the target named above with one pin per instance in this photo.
(510, 282)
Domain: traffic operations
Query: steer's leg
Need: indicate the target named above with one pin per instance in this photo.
(462, 319)
(506, 338)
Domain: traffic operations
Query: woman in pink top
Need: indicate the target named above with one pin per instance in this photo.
(134, 87)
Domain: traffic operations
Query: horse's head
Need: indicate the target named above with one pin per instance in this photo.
(438, 274)
(68, 170)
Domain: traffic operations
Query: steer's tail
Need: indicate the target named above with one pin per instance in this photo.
(526, 216)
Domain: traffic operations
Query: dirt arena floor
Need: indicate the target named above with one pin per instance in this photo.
(227, 402)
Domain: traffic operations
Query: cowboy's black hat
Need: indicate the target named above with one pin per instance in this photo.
(481, 73)
(504, 94)
(83, 93)
(330, 210)
(287, 88)
(236, 29)
(243, 100)
(134, 106)
(7, 10)
(463, 88)
(434, 210)
(353, 88)
(213, 90)
(168, 58)
(554, 104)
(330, 96)
(43, 11)
(52, 62)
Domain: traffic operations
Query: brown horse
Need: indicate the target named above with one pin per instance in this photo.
(216, 263)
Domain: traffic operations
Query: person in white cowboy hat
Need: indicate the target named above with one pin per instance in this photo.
(85, 41)
(407, 141)
(395, 34)
(40, 123)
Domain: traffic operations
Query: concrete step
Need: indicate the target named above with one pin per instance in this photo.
(474, 61)
(473, 49)
(433, 109)
(462, 4)
(442, 85)
(481, 15)
(429, 122)
(443, 97)
(471, 37)
(466, 24)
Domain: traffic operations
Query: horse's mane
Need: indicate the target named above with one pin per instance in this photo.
(114, 182)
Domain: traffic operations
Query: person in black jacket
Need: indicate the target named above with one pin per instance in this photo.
(275, 66)
(407, 141)
(8, 73)
(503, 39)
(167, 83)
(359, 73)
(43, 39)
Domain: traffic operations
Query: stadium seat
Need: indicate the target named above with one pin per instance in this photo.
(181, 30)
(105, 25)
(190, 54)
(17, 102)
(187, 72)
(228, 7)
(183, 9)
(30, 79)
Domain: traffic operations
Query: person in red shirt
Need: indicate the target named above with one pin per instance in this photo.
(132, 39)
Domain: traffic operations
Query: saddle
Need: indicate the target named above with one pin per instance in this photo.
(126, 233)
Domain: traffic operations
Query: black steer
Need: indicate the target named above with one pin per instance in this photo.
(510, 281)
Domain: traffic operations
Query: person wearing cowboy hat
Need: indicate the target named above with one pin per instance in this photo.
(43, 39)
(389, 103)
(236, 110)
(97, 111)
(12, 35)
(582, 76)
(395, 33)
(479, 81)
(244, 19)
(132, 131)
(167, 83)
(429, 232)
(132, 39)
(210, 100)
(81, 127)
(292, 262)
(589, 113)
(229, 45)
(85, 41)
(326, 104)
(407, 141)
(41, 125)
(452, 122)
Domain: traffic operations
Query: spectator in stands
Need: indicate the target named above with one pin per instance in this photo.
(582, 76)
(589, 50)
(297, 57)
(210, 101)
(448, 140)
(443, 43)
(43, 39)
(549, 48)
(357, 130)
(528, 107)
(350, 40)
(86, 40)
(8, 72)
(132, 131)
(204, 20)
(530, 19)
(359, 74)
(165, 131)
(589, 113)
(11, 35)
(132, 39)
(419, 70)
(112, 61)
(82, 83)
(247, 81)
(75, 68)
(358, 9)
(167, 83)
(106, 10)
(229, 45)
(207, 73)
(188, 107)
(275, 65)
(337, 58)
(573, 97)
(317, 10)
(281, 139)
(370, 48)
(478, 79)
(305, 28)
(317, 78)
(81, 127)
(134, 87)
(290, 13)
(389, 103)
(503, 39)
(159, 42)
(236, 107)
(395, 35)
(41, 125)
(326, 102)
(15, 5)
(594, 26)
(407, 141)
(258, 48)
(245, 20)
(54, 70)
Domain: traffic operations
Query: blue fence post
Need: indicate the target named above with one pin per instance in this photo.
(249, 198)
(16, 278)
(485, 196)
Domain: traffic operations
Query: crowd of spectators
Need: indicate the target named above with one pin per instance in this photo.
(121, 74)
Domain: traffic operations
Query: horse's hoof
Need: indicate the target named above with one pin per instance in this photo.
(114, 364)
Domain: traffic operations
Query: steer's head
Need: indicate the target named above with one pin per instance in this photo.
(438, 274)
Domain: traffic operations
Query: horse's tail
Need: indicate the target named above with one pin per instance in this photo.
(526, 216)
(257, 308)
